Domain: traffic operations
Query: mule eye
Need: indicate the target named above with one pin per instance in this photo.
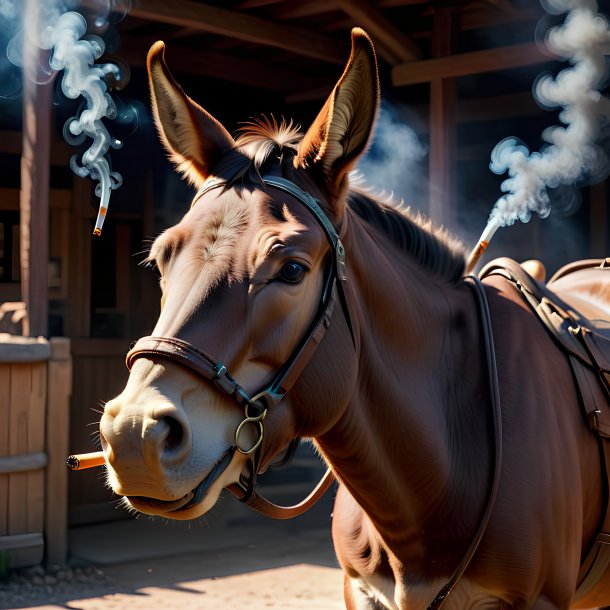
(292, 273)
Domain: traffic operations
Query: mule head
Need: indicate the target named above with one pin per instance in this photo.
(242, 278)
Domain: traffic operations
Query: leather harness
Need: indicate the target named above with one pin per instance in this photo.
(587, 347)
(257, 406)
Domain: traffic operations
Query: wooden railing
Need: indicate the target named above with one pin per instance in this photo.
(35, 386)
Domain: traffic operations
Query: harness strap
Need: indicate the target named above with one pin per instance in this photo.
(494, 391)
(191, 357)
(261, 505)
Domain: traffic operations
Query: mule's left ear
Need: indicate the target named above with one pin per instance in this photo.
(194, 139)
(342, 129)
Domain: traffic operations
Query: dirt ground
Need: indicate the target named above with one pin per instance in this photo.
(288, 571)
(291, 588)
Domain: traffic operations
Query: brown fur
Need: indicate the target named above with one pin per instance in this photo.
(403, 416)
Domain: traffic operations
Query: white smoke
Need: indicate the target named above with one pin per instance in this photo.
(82, 77)
(73, 52)
(7, 9)
(572, 153)
(392, 163)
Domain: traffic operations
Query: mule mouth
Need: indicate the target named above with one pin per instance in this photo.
(189, 500)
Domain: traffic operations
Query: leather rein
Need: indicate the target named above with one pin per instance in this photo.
(256, 407)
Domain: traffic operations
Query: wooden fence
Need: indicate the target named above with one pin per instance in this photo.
(35, 387)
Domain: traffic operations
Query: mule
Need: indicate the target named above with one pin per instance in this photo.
(393, 387)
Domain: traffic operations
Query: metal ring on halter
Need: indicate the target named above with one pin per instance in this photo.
(251, 420)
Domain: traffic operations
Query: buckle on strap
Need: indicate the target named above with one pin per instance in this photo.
(222, 379)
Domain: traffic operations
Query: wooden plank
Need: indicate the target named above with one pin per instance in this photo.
(96, 378)
(18, 443)
(23, 463)
(58, 424)
(37, 404)
(23, 549)
(207, 18)
(23, 349)
(34, 199)
(394, 45)
(464, 64)
(19, 541)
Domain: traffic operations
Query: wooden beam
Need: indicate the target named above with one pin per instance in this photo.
(497, 107)
(224, 67)
(395, 46)
(207, 18)
(465, 64)
(34, 197)
(471, 19)
(442, 126)
(246, 4)
(287, 11)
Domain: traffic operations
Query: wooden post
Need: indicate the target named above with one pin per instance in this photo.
(442, 156)
(34, 197)
(58, 422)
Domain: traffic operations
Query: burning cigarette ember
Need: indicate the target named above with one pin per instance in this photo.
(81, 461)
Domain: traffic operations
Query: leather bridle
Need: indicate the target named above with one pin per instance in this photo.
(256, 406)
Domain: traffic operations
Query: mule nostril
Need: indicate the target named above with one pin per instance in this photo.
(175, 433)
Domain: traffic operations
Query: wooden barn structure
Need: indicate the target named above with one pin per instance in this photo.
(459, 72)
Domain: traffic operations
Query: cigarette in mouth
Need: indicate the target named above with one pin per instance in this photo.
(81, 461)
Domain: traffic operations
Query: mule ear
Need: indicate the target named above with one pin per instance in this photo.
(342, 129)
(194, 139)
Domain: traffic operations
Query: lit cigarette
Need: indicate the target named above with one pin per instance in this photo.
(99, 222)
(475, 255)
(479, 249)
(85, 460)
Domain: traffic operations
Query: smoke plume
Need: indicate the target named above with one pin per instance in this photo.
(73, 52)
(571, 153)
(391, 164)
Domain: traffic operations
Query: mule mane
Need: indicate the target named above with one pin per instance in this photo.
(432, 248)
(265, 141)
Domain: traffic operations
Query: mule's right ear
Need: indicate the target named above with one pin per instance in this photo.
(194, 139)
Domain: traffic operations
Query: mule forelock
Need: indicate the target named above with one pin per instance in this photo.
(265, 141)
